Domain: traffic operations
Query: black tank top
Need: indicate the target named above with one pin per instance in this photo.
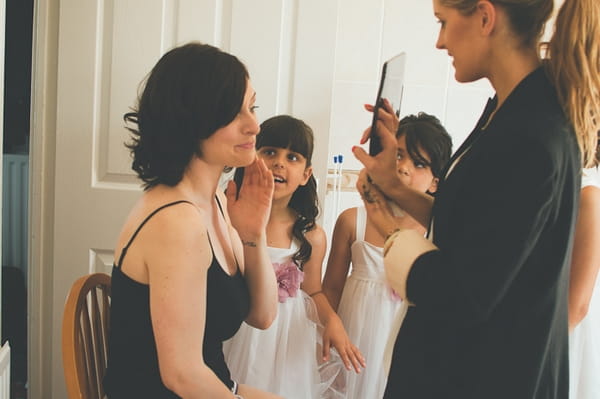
(132, 370)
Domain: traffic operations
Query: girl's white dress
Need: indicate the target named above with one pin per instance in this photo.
(371, 313)
(284, 359)
(584, 341)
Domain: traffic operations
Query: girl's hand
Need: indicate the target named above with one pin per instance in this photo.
(335, 335)
(250, 209)
(378, 209)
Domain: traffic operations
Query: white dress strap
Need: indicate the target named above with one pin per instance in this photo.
(590, 177)
(361, 223)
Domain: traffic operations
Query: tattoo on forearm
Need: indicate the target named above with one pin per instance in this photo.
(249, 243)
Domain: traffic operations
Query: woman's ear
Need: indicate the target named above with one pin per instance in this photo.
(488, 15)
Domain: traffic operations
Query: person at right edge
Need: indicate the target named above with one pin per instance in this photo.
(584, 293)
(489, 287)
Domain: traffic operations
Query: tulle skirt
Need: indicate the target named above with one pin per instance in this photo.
(584, 353)
(369, 311)
(285, 358)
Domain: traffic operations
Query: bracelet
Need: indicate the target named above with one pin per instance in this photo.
(315, 293)
(234, 389)
(391, 233)
(249, 243)
(389, 240)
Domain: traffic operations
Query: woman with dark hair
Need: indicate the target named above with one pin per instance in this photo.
(190, 264)
(368, 308)
(296, 245)
(489, 288)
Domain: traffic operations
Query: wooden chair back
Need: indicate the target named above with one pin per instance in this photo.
(85, 336)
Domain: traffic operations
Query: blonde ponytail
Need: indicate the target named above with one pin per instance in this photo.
(574, 66)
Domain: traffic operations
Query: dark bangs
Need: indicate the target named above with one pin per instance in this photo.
(412, 146)
(426, 131)
(284, 131)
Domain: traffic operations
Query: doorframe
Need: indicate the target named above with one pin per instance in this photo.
(3, 52)
(41, 196)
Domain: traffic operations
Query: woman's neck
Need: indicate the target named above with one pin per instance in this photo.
(510, 69)
(200, 181)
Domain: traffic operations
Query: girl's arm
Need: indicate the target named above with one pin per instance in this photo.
(177, 265)
(586, 255)
(340, 256)
(249, 212)
(334, 333)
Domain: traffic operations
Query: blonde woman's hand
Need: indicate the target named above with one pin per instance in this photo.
(377, 206)
(381, 168)
(386, 115)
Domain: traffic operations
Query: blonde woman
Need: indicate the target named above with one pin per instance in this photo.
(490, 287)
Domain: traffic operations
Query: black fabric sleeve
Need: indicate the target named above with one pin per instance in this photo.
(504, 202)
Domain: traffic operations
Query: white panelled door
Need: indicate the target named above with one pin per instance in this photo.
(106, 47)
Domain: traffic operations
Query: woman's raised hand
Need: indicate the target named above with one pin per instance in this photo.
(386, 115)
(249, 209)
(378, 209)
(381, 168)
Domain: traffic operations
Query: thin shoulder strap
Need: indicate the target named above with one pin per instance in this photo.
(220, 206)
(361, 223)
(124, 251)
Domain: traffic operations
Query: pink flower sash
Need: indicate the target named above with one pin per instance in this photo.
(289, 278)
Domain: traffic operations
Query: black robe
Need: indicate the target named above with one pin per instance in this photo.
(490, 320)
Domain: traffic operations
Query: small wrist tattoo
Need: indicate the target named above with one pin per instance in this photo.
(249, 243)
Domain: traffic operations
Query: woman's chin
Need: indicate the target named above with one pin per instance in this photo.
(244, 161)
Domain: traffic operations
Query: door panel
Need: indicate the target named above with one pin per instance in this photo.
(105, 50)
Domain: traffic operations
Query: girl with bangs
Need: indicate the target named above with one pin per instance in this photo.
(288, 358)
(370, 310)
